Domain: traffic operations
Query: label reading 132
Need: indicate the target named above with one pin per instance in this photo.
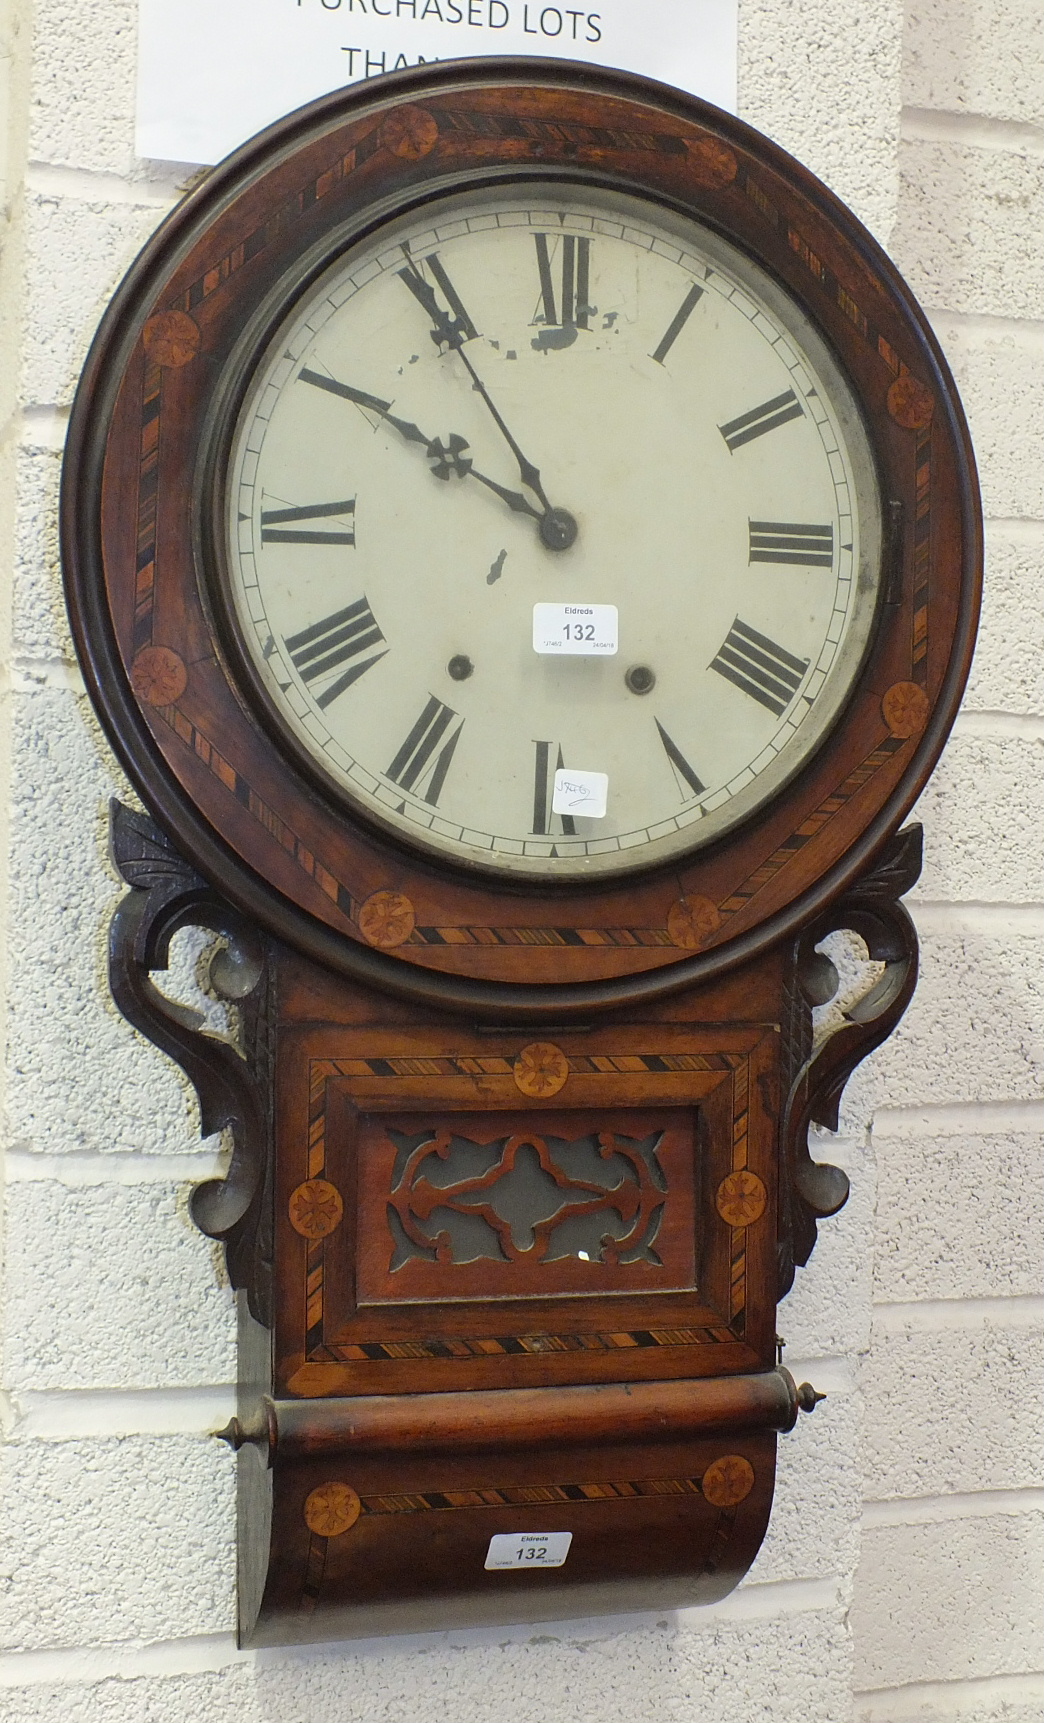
(531, 1550)
(585, 630)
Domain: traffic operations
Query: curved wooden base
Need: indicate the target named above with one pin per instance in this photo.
(361, 1542)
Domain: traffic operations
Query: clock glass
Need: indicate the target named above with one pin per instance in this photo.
(552, 532)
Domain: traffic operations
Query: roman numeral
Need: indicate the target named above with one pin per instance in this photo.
(678, 322)
(447, 330)
(787, 541)
(682, 770)
(544, 789)
(275, 530)
(336, 640)
(761, 419)
(768, 673)
(421, 765)
(575, 259)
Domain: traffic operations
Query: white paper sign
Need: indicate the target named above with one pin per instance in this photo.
(585, 793)
(528, 1549)
(576, 630)
(211, 73)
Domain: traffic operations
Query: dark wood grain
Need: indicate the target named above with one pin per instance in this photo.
(402, 1402)
(257, 825)
(449, 1413)
(480, 1422)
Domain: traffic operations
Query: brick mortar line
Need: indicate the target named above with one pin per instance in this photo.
(1014, 726)
(79, 1169)
(51, 179)
(212, 1653)
(883, 1513)
(972, 131)
(115, 1414)
(953, 1315)
(952, 1118)
(1022, 528)
(957, 915)
(1028, 1685)
(987, 327)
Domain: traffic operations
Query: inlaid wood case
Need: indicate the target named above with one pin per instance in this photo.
(520, 1162)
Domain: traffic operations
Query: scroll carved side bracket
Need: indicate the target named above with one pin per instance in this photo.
(812, 1190)
(233, 1087)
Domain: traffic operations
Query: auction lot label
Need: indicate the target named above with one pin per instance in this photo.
(211, 73)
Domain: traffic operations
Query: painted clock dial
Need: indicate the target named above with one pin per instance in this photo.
(534, 397)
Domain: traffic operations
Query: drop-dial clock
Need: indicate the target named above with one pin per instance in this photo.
(522, 542)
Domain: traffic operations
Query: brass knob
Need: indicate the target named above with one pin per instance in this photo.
(807, 1397)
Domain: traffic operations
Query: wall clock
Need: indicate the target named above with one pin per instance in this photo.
(523, 544)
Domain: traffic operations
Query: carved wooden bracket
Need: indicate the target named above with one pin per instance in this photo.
(234, 1087)
(812, 1190)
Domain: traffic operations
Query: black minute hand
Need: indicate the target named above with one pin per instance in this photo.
(527, 471)
(445, 458)
(451, 329)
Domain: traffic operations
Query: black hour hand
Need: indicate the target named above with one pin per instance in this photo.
(446, 459)
(449, 328)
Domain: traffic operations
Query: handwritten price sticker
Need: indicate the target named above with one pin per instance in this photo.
(584, 793)
(532, 1550)
(576, 630)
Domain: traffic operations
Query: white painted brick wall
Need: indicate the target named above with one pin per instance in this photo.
(998, 372)
(975, 57)
(108, 1288)
(969, 226)
(896, 1582)
(61, 894)
(998, 857)
(936, 1238)
(911, 1626)
(723, 1664)
(816, 85)
(1007, 675)
(973, 1031)
(946, 1617)
(953, 1410)
(108, 1541)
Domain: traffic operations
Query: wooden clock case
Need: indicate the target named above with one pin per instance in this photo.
(626, 1066)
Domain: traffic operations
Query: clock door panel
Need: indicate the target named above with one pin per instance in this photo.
(512, 1241)
(500, 1205)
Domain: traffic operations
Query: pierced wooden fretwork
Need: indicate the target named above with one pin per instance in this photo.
(598, 1198)
(516, 1205)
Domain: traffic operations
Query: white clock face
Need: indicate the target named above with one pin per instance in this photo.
(541, 397)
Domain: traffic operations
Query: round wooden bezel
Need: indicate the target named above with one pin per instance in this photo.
(177, 707)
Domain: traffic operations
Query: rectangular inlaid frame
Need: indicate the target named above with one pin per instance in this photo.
(507, 1161)
(332, 1082)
